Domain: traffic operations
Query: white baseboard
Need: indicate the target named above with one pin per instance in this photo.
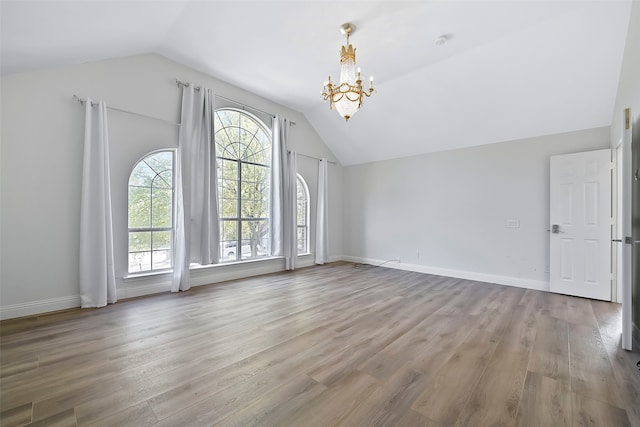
(155, 283)
(537, 285)
(38, 307)
(335, 258)
(147, 285)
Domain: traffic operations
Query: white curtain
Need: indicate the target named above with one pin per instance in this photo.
(97, 272)
(322, 214)
(276, 188)
(197, 234)
(290, 213)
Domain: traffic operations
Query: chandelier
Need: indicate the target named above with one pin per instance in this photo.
(346, 97)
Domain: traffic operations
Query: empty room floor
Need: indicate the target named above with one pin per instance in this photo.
(331, 345)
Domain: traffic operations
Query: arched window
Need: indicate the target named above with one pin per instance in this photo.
(151, 213)
(243, 151)
(302, 221)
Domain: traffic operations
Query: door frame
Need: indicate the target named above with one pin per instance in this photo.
(621, 268)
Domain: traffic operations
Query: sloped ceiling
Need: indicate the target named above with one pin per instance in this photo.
(511, 69)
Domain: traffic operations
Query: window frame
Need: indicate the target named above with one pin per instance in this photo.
(152, 229)
(305, 226)
(239, 219)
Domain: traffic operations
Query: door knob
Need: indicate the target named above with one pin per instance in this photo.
(627, 240)
(555, 228)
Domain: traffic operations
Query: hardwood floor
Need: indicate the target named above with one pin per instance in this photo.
(333, 345)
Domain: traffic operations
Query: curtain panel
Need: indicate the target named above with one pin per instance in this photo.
(290, 212)
(197, 232)
(283, 196)
(322, 214)
(276, 188)
(97, 271)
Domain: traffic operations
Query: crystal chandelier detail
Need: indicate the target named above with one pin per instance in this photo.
(346, 97)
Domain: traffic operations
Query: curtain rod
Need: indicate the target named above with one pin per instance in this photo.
(186, 84)
(312, 157)
(84, 101)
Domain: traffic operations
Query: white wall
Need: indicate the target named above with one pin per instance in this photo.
(446, 212)
(41, 159)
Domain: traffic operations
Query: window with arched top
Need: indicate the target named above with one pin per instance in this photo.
(302, 221)
(243, 154)
(150, 213)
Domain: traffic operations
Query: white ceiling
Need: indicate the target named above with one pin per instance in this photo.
(512, 69)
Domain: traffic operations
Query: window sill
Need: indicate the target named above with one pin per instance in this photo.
(194, 267)
(199, 267)
(145, 275)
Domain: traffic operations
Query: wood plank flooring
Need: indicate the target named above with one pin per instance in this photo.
(333, 345)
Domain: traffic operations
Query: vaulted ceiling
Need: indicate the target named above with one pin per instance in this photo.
(510, 69)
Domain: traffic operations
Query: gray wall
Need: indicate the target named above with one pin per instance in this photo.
(629, 96)
(41, 159)
(446, 212)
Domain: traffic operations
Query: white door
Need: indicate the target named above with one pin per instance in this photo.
(580, 218)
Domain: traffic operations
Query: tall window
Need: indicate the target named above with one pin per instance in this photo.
(303, 215)
(151, 213)
(243, 150)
